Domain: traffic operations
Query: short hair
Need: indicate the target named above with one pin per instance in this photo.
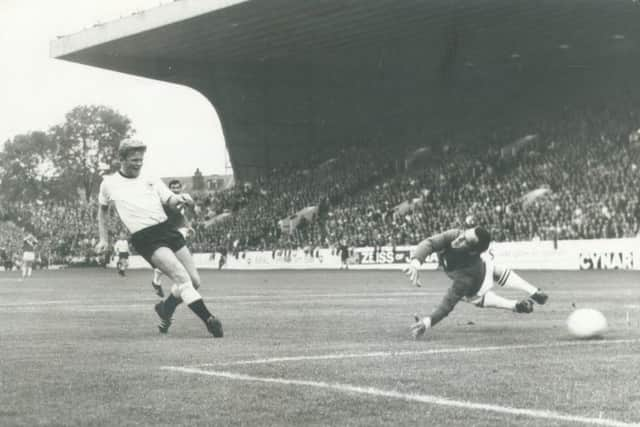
(174, 182)
(128, 146)
(484, 239)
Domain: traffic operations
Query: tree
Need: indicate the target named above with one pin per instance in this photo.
(87, 145)
(26, 167)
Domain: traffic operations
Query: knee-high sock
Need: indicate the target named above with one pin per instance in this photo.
(511, 279)
(171, 303)
(493, 300)
(192, 298)
(200, 309)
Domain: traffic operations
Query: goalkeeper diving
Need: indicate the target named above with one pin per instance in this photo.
(462, 254)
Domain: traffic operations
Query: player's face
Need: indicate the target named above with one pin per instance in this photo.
(176, 188)
(132, 164)
(466, 240)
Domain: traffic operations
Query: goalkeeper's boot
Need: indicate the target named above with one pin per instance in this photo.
(524, 306)
(157, 289)
(214, 326)
(165, 318)
(539, 297)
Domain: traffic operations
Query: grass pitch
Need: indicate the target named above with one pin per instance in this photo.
(311, 348)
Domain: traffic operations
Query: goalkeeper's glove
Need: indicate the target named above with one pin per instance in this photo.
(420, 326)
(412, 272)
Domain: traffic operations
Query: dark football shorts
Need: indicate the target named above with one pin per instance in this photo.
(148, 240)
(123, 255)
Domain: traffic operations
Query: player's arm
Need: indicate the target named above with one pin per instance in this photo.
(435, 243)
(103, 231)
(104, 199)
(432, 244)
(176, 201)
(445, 307)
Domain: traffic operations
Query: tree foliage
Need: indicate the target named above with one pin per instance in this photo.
(26, 166)
(67, 160)
(87, 144)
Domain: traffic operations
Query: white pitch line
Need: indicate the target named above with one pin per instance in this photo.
(39, 303)
(410, 397)
(417, 353)
(292, 295)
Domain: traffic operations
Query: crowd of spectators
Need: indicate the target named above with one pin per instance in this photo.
(284, 192)
(586, 159)
(64, 229)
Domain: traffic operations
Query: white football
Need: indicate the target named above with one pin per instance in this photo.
(587, 323)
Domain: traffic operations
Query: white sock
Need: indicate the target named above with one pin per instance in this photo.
(186, 292)
(494, 300)
(511, 279)
(157, 276)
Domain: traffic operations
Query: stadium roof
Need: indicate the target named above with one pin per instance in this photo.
(231, 49)
(220, 31)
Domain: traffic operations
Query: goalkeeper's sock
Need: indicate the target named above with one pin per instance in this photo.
(200, 310)
(493, 300)
(510, 279)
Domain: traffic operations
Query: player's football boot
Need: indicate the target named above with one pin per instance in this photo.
(539, 297)
(214, 326)
(165, 318)
(158, 289)
(524, 306)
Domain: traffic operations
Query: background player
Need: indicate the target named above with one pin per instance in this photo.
(460, 253)
(343, 251)
(179, 218)
(121, 248)
(222, 249)
(28, 255)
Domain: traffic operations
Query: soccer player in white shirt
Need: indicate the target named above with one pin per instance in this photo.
(139, 201)
(29, 255)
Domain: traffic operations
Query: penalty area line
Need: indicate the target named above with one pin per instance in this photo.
(409, 397)
(382, 354)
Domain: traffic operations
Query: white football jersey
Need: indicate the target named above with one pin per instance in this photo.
(138, 201)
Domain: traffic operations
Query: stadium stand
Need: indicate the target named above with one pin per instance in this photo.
(585, 159)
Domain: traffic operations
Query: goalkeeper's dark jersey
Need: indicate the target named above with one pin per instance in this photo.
(465, 268)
